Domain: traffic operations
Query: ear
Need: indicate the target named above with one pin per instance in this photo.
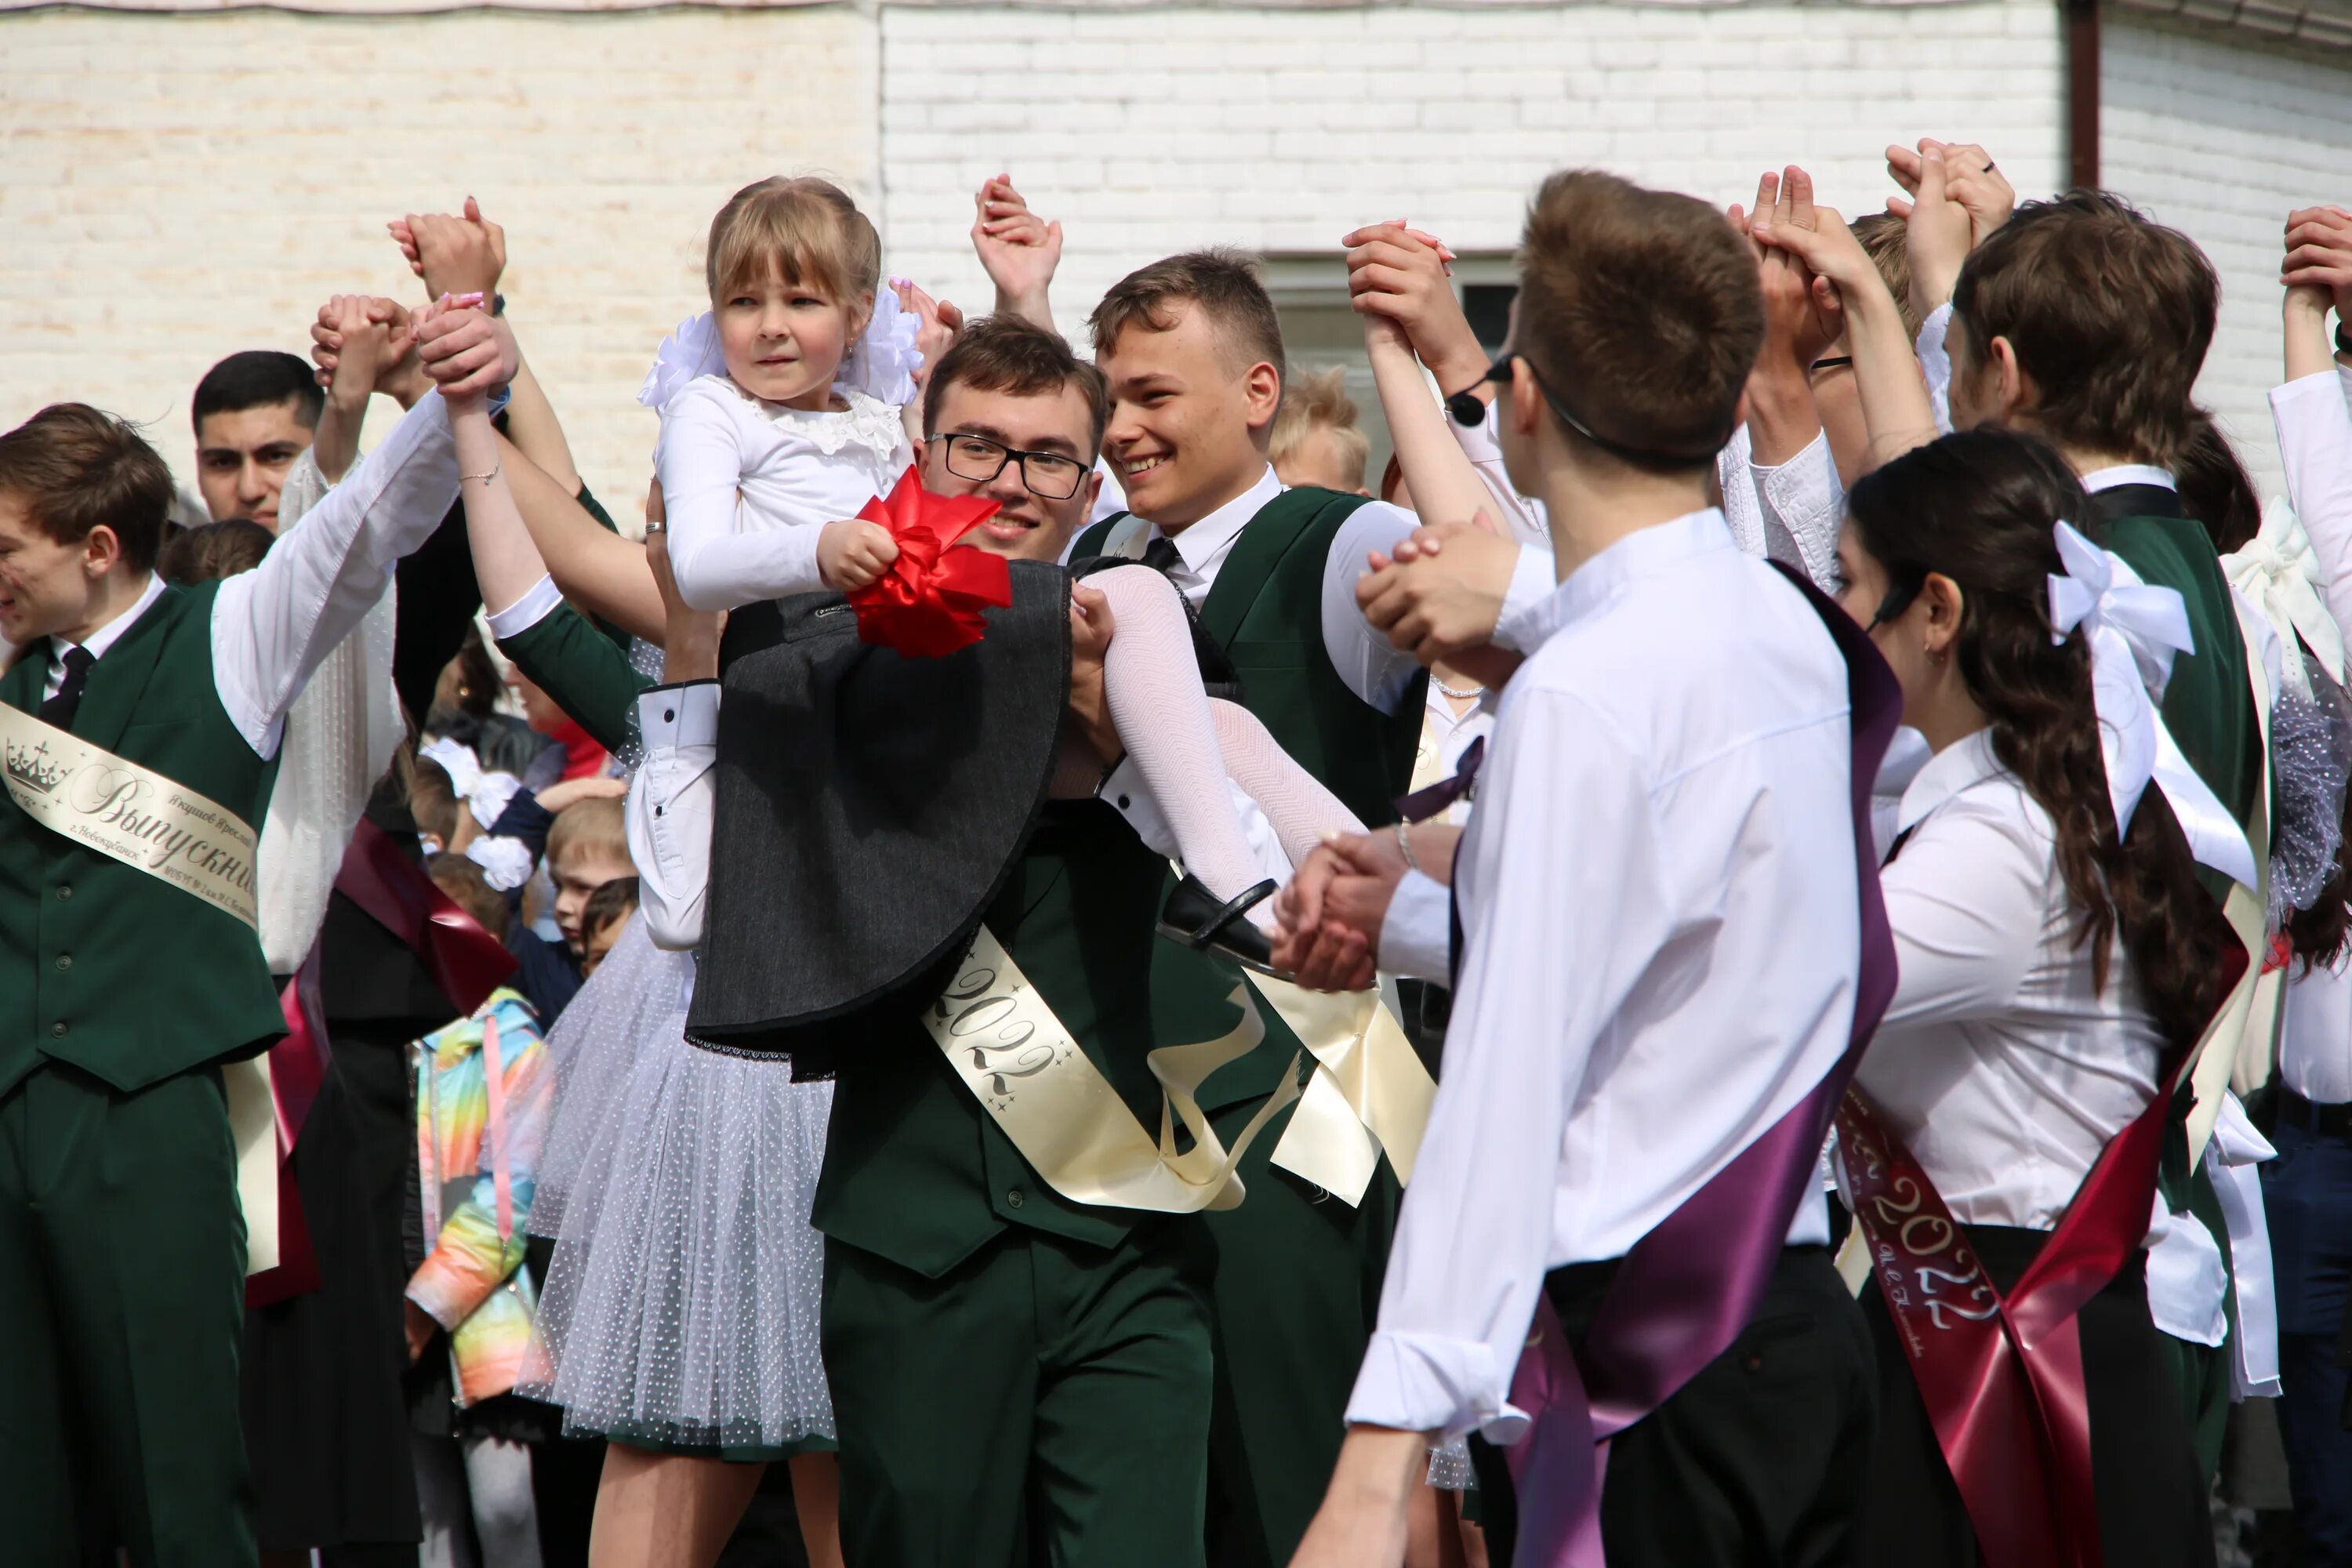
(1527, 400)
(2012, 389)
(102, 551)
(861, 311)
(1739, 413)
(1944, 603)
(1262, 396)
(1090, 490)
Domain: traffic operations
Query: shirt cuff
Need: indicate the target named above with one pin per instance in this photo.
(1430, 1383)
(538, 602)
(671, 717)
(1532, 581)
(1124, 791)
(1417, 933)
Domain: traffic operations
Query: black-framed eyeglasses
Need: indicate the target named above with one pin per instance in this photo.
(1051, 476)
(1466, 409)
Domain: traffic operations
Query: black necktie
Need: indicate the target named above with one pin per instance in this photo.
(1161, 554)
(59, 709)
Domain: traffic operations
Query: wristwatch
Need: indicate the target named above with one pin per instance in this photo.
(498, 304)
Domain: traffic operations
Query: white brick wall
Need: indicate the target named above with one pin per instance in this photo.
(2222, 140)
(1280, 129)
(177, 187)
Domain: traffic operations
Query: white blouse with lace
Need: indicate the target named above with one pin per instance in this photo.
(748, 485)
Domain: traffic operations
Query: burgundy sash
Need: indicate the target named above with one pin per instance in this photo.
(2002, 1376)
(465, 962)
(1688, 1287)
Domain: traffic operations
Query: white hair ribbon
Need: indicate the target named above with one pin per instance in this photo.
(691, 351)
(2134, 631)
(2278, 571)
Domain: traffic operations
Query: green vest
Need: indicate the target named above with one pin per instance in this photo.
(101, 965)
(1266, 610)
(916, 1170)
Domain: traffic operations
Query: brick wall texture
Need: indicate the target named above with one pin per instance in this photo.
(176, 186)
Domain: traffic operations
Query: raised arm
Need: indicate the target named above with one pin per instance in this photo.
(2313, 421)
(273, 625)
(1017, 249)
(1391, 274)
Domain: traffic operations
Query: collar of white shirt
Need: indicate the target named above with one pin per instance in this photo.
(1206, 544)
(1643, 554)
(2099, 480)
(107, 636)
(1966, 762)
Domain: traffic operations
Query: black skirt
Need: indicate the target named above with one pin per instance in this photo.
(2150, 1492)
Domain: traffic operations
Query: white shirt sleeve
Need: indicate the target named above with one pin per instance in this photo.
(669, 809)
(1522, 517)
(1743, 509)
(272, 626)
(539, 601)
(1966, 901)
(1935, 363)
(1559, 922)
(1805, 499)
(1373, 667)
(1125, 791)
(2314, 435)
(700, 460)
(1416, 935)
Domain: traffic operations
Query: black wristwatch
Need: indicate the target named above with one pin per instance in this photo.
(498, 304)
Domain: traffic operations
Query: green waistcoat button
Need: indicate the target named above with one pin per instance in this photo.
(1011, 1199)
(65, 892)
(58, 1028)
(65, 960)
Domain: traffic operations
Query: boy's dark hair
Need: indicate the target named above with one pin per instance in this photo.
(1005, 353)
(211, 550)
(470, 891)
(1641, 313)
(433, 800)
(2110, 312)
(613, 900)
(76, 469)
(1222, 283)
(256, 379)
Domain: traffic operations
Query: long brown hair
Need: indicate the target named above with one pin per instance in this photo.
(1978, 508)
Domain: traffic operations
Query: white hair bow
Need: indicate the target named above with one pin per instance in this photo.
(691, 351)
(2278, 571)
(2134, 631)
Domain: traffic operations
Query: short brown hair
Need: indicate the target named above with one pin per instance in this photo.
(1005, 353)
(595, 826)
(433, 801)
(1319, 402)
(211, 550)
(1643, 307)
(807, 228)
(470, 891)
(1222, 283)
(76, 469)
(2108, 312)
(1886, 240)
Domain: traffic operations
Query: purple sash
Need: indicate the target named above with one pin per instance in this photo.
(1687, 1289)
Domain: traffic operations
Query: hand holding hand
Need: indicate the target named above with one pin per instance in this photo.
(1443, 594)
(938, 322)
(1940, 229)
(1802, 316)
(364, 349)
(2318, 261)
(851, 553)
(454, 255)
(1018, 250)
(1091, 629)
(690, 637)
(398, 372)
(1331, 911)
(466, 351)
(1399, 274)
(1971, 178)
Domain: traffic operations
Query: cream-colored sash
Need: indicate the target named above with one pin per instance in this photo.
(1063, 1115)
(1370, 1094)
(128, 812)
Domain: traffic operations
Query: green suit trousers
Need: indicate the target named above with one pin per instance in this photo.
(121, 1303)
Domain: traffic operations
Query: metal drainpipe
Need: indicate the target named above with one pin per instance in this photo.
(2083, 92)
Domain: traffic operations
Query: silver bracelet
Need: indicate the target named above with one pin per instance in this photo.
(1404, 845)
(486, 478)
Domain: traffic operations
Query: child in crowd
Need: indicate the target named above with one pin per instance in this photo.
(1316, 439)
(484, 1092)
(777, 430)
(608, 909)
(587, 847)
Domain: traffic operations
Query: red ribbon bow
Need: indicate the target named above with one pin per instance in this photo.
(928, 603)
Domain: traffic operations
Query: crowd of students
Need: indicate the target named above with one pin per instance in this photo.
(1745, 964)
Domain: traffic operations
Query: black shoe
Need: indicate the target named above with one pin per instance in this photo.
(1194, 917)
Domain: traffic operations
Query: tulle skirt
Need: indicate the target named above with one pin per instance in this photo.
(681, 1306)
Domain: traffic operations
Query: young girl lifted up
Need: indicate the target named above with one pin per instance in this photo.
(782, 415)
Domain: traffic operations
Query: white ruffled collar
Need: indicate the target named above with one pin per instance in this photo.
(867, 422)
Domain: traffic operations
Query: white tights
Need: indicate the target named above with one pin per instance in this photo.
(1187, 745)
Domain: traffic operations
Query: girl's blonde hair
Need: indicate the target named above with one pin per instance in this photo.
(807, 227)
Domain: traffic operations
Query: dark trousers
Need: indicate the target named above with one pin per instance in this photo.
(1043, 1403)
(1756, 1461)
(2307, 1198)
(121, 1301)
(1297, 1291)
(2146, 1479)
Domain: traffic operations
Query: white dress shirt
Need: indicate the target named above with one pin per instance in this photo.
(750, 485)
(272, 626)
(2119, 474)
(1785, 511)
(1660, 924)
(2001, 1062)
(1935, 363)
(1523, 516)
